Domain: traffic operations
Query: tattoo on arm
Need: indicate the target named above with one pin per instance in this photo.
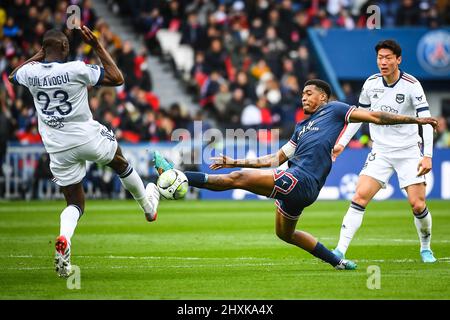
(389, 118)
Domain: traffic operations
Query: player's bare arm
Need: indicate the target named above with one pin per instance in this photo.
(113, 76)
(383, 118)
(386, 118)
(271, 160)
(39, 56)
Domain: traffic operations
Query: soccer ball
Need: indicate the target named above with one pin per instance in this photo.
(172, 184)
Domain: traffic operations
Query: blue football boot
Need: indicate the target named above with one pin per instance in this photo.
(427, 256)
(161, 164)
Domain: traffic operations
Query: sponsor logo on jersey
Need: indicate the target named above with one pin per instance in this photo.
(54, 122)
(308, 127)
(400, 98)
(388, 109)
(433, 52)
(419, 98)
(375, 96)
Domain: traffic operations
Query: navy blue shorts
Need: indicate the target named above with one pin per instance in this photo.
(292, 192)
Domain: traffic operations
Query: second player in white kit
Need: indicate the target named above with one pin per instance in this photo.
(69, 133)
(396, 148)
(65, 119)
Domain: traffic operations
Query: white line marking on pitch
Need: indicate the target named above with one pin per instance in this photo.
(271, 264)
(300, 261)
(144, 257)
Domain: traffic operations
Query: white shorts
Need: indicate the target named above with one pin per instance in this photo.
(69, 166)
(381, 166)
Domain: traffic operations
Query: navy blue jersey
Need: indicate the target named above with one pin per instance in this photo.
(314, 139)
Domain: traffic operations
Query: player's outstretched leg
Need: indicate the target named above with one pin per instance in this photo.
(74, 195)
(256, 181)
(261, 182)
(285, 229)
(146, 197)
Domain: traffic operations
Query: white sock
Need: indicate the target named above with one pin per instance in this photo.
(69, 219)
(423, 225)
(133, 183)
(350, 224)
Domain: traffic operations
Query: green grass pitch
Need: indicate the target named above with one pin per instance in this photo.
(217, 250)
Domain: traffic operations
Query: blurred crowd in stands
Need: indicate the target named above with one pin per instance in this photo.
(132, 111)
(251, 60)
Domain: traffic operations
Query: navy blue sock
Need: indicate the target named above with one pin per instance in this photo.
(321, 252)
(196, 179)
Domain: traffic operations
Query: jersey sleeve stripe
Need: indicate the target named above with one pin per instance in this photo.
(349, 112)
(363, 105)
(288, 149)
(293, 143)
(101, 76)
(375, 76)
(15, 79)
(422, 109)
(407, 79)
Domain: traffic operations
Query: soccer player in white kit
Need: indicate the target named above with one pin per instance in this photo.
(395, 147)
(69, 133)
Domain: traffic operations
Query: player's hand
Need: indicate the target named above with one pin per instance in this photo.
(337, 150)
(221, 162)
(429, 120)
(424, 166)
(89, 37)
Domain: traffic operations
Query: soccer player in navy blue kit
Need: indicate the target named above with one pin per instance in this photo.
(308, 153)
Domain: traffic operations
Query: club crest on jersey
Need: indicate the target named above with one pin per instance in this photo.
(400, 98)
(419, 98)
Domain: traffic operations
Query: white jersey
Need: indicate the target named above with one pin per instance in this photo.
(61, 99)
(405, 97)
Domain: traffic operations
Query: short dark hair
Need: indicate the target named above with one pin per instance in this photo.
(322, 85)
(391, 45)
(53, 39)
